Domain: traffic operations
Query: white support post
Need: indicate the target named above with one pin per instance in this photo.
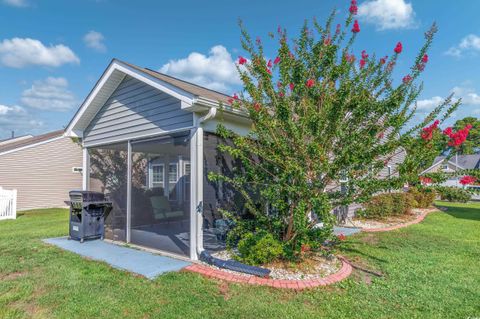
(196, 191)
(129, 190)
(86, 169)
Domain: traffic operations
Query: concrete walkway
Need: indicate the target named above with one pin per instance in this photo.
(124, 258)
(347, 231)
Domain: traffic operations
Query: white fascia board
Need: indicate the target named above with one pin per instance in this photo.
(32, 145)
(186, 98)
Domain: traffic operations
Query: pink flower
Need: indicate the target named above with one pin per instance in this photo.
(292, 86)
(457, 138)
(425, 180)
(281, 94)
(268, 71)
(279, 84)
(256, 106)
(362, 63)
(337, 30)
(242, 60)
(235, 96)
(258, 41)
(421, 67)
(327, 41)
(467, 180)
(353, 7)
(356, 27)
(277, 60)
(364, 54)
(269, 63)
(349, 58)
(310, 83)
(341, 237)
(425, 58)
(427, 133)
(398, 48)
(383, 60)
(407, 79)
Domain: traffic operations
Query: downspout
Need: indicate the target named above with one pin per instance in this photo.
(212, 112)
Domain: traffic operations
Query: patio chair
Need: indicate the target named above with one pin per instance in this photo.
(162, 209)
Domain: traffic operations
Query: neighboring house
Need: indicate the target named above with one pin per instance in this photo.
(149, 139)
(442, 164)
(42, 168)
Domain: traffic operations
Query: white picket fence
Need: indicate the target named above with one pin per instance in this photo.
(8, 204)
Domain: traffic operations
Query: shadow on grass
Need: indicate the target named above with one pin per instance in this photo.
(469, 213)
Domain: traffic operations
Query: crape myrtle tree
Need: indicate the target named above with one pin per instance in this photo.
(325, 122)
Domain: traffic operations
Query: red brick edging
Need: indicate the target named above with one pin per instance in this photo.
(415, 221)
(210, 272)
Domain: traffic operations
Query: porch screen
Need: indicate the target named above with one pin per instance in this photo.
(217, 196)
(161, 194)
(108, 174)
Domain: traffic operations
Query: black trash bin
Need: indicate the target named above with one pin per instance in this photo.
(87, 215)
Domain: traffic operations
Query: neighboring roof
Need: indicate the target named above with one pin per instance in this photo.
(184, 85)
(30, 141)
(14, 139)
(463, 161)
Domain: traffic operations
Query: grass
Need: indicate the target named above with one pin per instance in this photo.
(431, 270)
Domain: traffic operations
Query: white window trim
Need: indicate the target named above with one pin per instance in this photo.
(176, 177)
(150, 174)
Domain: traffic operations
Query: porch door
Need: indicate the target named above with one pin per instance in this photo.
(108, 174)
(160, 204)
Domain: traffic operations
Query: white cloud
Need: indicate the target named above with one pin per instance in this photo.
(468, 96)
(16, 3)
(21, 52)
(470, 43)
(216, 70)
(51, 94)
(388, 14)
(94, 40)
(16, 118)
(429, 104)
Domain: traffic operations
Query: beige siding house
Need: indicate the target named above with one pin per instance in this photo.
(42, 168)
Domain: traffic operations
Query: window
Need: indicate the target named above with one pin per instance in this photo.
(157, 175)
(172, 173)
(172, 180)
(445, 167)
(186, 178)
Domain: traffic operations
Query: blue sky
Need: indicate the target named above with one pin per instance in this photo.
(52, 52)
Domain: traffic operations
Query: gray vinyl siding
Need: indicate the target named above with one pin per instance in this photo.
(42, 174)
(136, 109)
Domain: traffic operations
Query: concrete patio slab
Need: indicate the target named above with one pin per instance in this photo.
(124, 258)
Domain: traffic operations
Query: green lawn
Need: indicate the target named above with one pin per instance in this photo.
(431, 270)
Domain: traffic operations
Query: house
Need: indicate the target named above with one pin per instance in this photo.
(149, 142)
(41, 168)
(443, 164)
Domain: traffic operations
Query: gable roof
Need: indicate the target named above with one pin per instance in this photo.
(192, 88)
(462, 162)
(30, 141)
(193, 97)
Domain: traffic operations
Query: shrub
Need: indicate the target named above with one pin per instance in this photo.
(259, 248)
(423, 197)
(388, 204)
(454, 194)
